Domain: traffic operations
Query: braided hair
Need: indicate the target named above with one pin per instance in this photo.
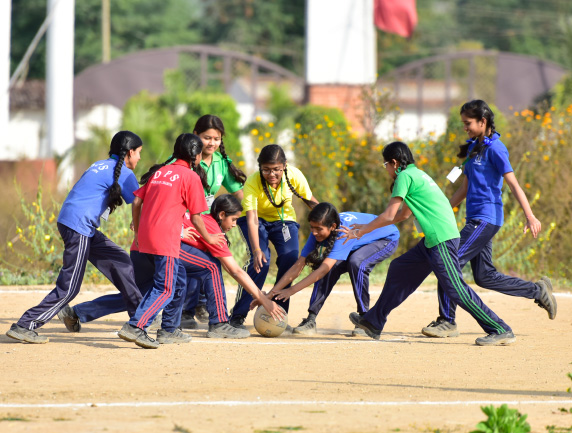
(121, 144)
(209, 121)
(187, 147)
(477, 109)
(228, 204)
(274, 154)
(326, 215)
(401, 153)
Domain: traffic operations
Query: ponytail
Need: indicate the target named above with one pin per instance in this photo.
(234, 171)
(308, 203)
(153, 169)
(121, 144)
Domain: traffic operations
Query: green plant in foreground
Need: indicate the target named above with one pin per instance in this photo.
(502, 420)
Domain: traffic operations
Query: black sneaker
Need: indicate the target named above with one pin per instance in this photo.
(546, 299)
(27, 335)
(201, 313)
(237, 322)
(129, 332)
(146, 342)
(70, 319)
(357, 320)
(225, 330)
(188, 321)
(175, 337)
(307, 326)
(503, 339)
(440, 328)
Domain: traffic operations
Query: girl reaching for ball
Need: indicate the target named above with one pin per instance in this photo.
(330, 257)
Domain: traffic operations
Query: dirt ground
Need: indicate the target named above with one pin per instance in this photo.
(332, 382)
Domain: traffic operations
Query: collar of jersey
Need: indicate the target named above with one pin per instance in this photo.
(183, 163)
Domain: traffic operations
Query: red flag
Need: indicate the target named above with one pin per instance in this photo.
(396, 16)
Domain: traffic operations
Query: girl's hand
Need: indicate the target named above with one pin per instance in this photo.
(255, 303)
(534, 225)
(136, 239)
(349, 233)
(284, 294)
(258, 257)
(191, 234)
(273, 309)
(132, 226)
(216, 239)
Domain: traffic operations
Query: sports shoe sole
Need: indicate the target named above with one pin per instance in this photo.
(71, 323)
(358, 332)
(20, 337)
(550, 290)
(145, 344)
(369, 333)
(429, 332)
(503, 342)
(214, 334)
(127, 336)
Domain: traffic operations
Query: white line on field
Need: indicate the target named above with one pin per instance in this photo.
(277, 403)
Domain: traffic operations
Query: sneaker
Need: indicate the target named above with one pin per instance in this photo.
(306, 327)
(440, 328)
(146, 342)
(201, 313)
(358, 332)
(177, 336)
(237, 322)
(503, 339)
(288, 330)
(224, 330)
(27, 335)
(188, 321)
(70, 319)
(357, 320)
(546, 299)
(129, 332)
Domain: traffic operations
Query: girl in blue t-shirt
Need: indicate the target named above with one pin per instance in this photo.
(329, 258)
(100, 190)
(486, 168)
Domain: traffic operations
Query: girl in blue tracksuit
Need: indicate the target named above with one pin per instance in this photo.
(330, 258)
(101, 189)
(487, 166)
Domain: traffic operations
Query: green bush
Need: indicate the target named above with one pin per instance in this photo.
(502, 420)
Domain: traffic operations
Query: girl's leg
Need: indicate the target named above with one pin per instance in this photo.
(286, 251)
(360, 264)
(243, 298)
(323, 287)
(68, 284)
(476, 246)
(162, 292)
(144, 267)
(113, 262)
(445, 265)
(199, 264)
(404, 276)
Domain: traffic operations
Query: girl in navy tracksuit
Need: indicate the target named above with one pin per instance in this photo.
(330, 258)
(158, 212)
(487, 165)
(100, 190)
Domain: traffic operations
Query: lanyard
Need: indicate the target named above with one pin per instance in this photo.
(282, 194)
(320, 248)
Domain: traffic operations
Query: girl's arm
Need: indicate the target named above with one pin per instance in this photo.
(386, 218)
(239, 194)
(214, 239)
(531, 222)
(290, 275)
(136, 215)
(460, 194)
(316, 275)
(246, 282)
(257, 255)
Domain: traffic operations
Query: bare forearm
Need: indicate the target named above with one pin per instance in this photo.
(199, 225)
(290, 275)
(315, 276)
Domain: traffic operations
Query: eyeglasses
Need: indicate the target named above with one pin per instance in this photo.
(385, 164)
(268, 171)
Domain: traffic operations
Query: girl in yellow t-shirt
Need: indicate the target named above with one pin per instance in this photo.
(269, 216)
